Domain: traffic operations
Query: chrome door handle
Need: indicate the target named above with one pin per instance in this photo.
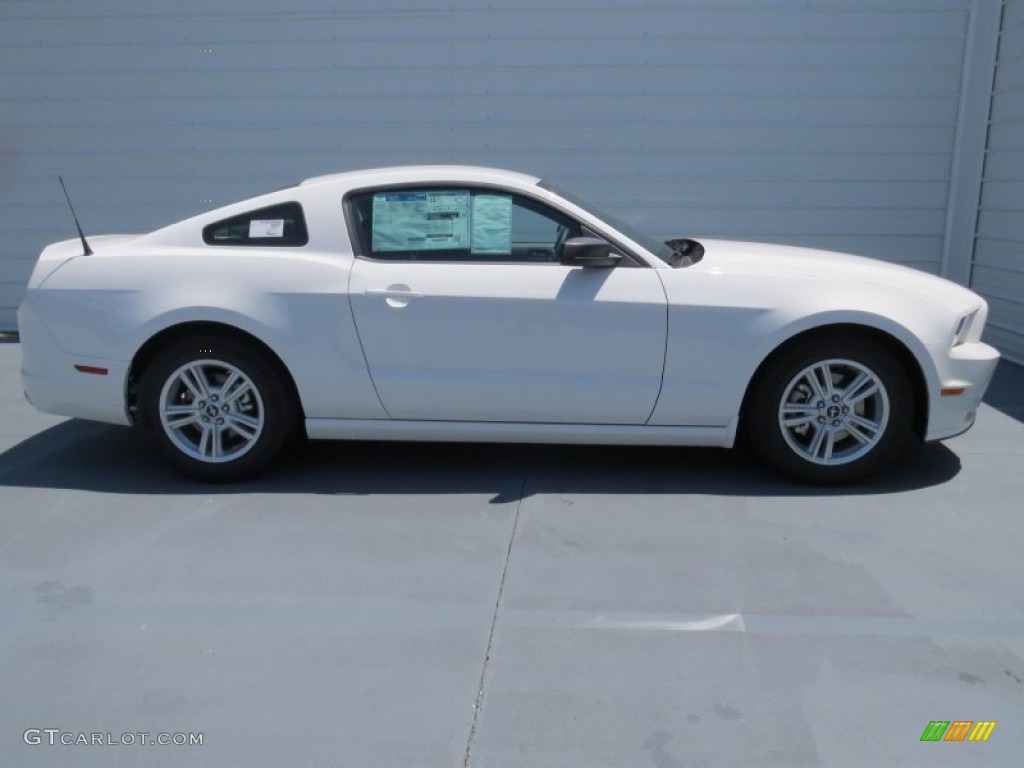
(393, 293)
(396, 296)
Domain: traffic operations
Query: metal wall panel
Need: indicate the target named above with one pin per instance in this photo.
(827, 124)
(998, 268)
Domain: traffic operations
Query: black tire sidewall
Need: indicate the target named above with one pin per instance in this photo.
(764, 432)
(278, 406)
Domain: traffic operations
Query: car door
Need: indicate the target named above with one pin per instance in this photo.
(464, 312)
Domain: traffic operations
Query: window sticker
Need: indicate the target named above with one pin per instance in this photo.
(266, 228)
(421, 221)
(492, 224)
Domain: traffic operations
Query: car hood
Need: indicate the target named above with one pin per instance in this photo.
(780, 261)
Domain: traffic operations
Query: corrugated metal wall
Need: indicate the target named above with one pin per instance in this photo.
(827, 123)
(998, 269)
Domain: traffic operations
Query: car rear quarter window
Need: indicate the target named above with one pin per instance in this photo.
(276, 226)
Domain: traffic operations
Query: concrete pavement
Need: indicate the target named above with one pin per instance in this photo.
(440, 605)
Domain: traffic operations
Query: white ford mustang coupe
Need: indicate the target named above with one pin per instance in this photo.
(472, 304)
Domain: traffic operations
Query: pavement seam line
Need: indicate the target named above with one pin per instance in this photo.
(494, 621)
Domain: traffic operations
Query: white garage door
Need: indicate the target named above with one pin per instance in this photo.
(828, 123)
(998, 270)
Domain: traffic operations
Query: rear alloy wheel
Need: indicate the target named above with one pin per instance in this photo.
(218, 410)
(830, 411)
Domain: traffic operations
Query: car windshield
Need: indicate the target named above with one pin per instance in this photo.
(662, 250)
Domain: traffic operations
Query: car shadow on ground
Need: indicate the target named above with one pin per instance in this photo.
(1006, 392)
(86, 456)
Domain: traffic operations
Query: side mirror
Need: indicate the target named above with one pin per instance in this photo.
(589, 252)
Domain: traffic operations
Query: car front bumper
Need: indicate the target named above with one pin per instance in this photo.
(967, 367)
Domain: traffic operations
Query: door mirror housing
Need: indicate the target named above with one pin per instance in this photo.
(589, 252)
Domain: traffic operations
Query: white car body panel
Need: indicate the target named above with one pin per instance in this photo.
(756, 296)
(517, 352)
(512, 342)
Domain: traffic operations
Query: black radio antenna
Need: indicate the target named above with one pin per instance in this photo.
(85, 243)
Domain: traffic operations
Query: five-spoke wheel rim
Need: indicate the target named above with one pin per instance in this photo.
(834, 412)
(211, 411)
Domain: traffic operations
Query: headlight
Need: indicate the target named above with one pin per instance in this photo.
(963, 328)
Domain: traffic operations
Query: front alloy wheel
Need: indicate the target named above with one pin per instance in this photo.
(834, 412)
(830, 410)
(218, 408)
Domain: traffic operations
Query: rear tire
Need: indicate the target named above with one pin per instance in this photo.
(218, 409)
(831, 410)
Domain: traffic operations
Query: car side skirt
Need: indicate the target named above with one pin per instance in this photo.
(508, 432)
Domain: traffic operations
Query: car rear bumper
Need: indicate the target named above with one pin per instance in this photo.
(52, 383)
(964, 373)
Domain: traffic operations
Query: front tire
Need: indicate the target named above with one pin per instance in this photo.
(831, 410)
(217, 408)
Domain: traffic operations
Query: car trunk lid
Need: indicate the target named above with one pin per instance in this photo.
(57, 254)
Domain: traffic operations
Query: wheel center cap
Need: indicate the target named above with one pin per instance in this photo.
(833, 412)
(212, 411)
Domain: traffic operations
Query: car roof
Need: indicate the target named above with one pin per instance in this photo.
(181, 231)
(424, 173)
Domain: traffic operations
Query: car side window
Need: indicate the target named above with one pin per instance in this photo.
(275, 225)
(457, 224)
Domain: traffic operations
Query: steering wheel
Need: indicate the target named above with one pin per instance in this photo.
(560, 238)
